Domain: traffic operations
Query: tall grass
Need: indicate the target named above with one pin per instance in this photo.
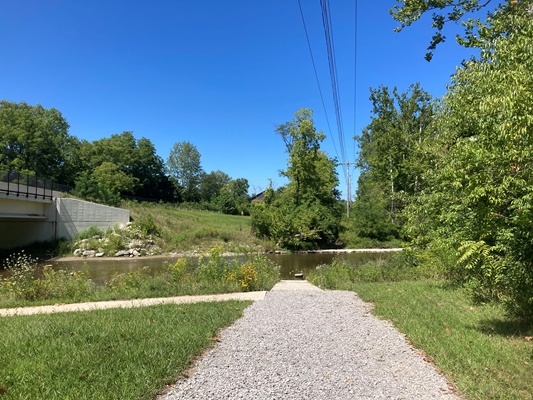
(108, 354)
(25, 284)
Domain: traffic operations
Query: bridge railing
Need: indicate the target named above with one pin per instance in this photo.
(17, 184)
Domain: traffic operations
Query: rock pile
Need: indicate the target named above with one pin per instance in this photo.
(121, 242)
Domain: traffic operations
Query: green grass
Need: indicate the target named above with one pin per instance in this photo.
(109, 354)
(193, 230)
(485, 353)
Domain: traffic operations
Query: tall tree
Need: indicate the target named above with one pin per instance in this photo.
(212, 184)
(149, 169)
(310, 172)
(185, 169)
(392, 157)
(304, 214)
(36, 140)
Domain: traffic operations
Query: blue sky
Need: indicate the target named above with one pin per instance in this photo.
(219, 74)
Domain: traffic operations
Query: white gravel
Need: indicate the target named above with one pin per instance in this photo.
(311, 345)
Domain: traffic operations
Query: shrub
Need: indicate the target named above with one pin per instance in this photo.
(91, 232)
(147, 227)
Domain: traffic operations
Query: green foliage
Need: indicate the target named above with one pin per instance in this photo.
(392, 160)
(478, 197)
(147, 227)
(142, 233)
(406, 265)
(26, 281)
(304, 214)
(212, 184)
(36, 140)
(89, 188)
(91, 232)
(185, 169)
(109, 175)
(444, 11)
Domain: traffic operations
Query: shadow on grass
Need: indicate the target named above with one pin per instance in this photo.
(508, 328)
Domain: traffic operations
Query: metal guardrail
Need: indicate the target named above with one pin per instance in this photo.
(17, 184)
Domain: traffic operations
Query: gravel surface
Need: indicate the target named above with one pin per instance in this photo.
(311, 345)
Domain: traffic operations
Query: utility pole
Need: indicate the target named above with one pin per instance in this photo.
(348, 186)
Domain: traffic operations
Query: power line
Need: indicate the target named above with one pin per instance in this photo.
(355, 78)
(328, 32)
(316, 77)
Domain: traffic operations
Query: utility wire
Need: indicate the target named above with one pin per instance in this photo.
(355, 80)
(316, 77)
(326, 20)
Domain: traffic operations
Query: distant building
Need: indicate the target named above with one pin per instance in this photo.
(258, 197)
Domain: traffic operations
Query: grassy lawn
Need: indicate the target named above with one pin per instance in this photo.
(108, 354)
(486, 355)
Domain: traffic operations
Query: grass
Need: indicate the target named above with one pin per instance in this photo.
(486, 354)
(108, 354)
(193, 230)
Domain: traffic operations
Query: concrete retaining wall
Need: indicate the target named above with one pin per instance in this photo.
(25, 221)
(74, 216)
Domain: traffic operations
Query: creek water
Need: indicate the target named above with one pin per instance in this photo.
(101, 269)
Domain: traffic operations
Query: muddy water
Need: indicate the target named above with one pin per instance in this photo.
(102, 269)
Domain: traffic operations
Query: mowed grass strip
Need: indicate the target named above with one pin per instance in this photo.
(486, 355)
(108, 354)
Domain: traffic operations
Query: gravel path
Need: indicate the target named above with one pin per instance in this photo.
(311, 345)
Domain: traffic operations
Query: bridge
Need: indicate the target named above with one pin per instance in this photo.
(32, 211)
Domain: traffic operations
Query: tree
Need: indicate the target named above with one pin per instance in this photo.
(478, 200)
(212, 184)
(109, 175)
(476, 30)
(36, 141)
(136, 159)
(184, 167)
(392, 159)
(149, 170)
(89, 188)
(310, 172)
(304, 214)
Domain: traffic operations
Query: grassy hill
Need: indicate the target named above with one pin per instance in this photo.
(193, 230)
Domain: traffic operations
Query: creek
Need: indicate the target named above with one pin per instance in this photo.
(102, 269)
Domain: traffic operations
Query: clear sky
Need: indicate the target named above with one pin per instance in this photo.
(219, 74)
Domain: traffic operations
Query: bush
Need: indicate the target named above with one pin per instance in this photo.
(90, 233)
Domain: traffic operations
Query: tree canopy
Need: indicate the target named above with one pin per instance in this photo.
(392, 159)
(35, 140)
(478, 27)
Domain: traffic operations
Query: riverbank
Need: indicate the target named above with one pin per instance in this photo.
(225, 254)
